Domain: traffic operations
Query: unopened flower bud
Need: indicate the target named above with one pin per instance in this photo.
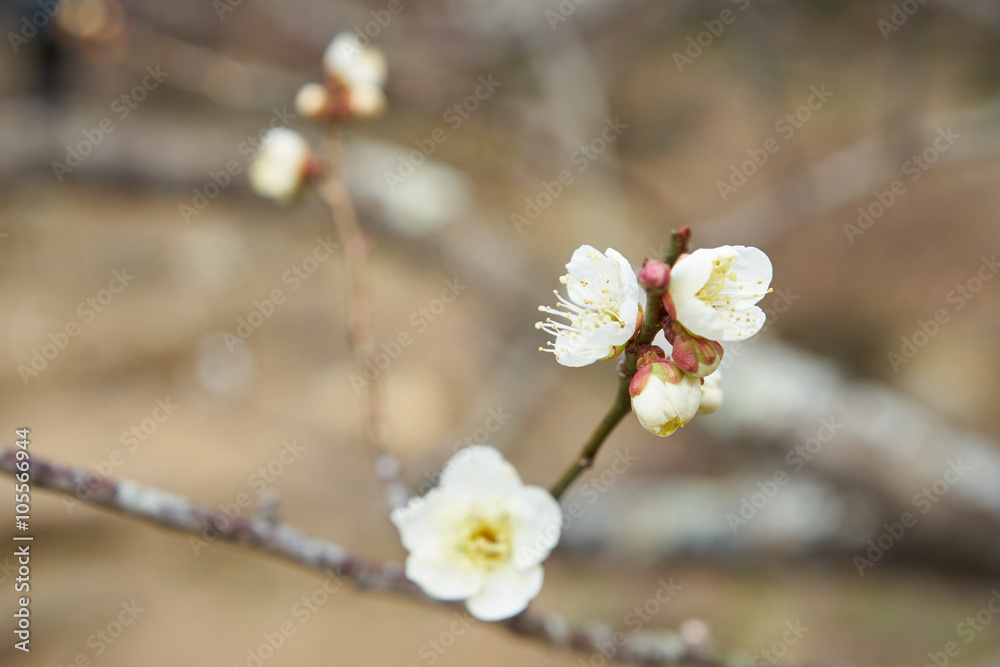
(711, 393)
(366, 102)
(694, 355)
(664, 398)
(313, 101)
(655, 276)
(282, 166)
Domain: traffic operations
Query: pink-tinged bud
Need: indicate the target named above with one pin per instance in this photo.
(638, 382)
(694, 355)
(655, 276)
(663, 397)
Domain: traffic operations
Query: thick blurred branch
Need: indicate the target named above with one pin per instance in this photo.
(178, 513)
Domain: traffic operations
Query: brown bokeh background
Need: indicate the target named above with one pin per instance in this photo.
(854, 298)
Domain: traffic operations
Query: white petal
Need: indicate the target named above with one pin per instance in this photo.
(346, 60)
(711, 394)
(753, 277)
(539, 523)
(754, 265)
(444, 580)
(279, 168)
(689, 275)
(742, 324)
(582, 265)
(575, 358)
(700, 319)
(480, 473)
(506, 593)
(631, 290)
(426, 524)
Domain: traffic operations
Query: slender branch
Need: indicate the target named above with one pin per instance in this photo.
(623, 403)
(616, 412)
(204, 525)
(335, 194)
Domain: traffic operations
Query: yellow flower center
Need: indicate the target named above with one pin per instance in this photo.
(717, 280)
(487, 541)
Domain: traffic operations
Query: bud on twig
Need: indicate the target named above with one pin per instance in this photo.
(694, 355)
(664, 398)
(654, 276)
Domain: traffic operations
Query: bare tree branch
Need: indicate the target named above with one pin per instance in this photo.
(284, 541)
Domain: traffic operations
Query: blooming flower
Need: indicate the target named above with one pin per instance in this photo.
(664, 398)
(352, 64)
(713, 291)
(604, 308)
(480, 535)
(282, 164)
(711, 394)
(359, 72)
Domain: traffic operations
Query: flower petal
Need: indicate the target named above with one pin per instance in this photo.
(425, 524)
(444, 580)
(711, 394)
(689, 274)
(538, 527)
(753, 277)
(700, 318)
(506, 593)
(742, 324)
(480, 473)
(631, 289)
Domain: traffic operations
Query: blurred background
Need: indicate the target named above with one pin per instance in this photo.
(857, 143)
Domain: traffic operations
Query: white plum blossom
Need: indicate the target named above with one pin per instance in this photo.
(664, 398)
(282, 163)
(604, 308)
(714, 291)
(356, 75)
(480, 535)
(711, 393)
(352, 64)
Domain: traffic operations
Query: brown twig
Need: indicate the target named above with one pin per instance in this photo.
(354, 246)
(284, 541)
